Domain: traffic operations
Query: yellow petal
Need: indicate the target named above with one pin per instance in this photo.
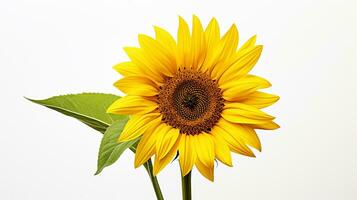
(198, 43)
(233, 143)
(212, 35)
(225, 64)
(221, 148)
(260, 99)
(224, 49)
(245, 114)
(131, 105)
(157, 55)
(266, 126)
(159, 164)
(243, 133)
(204, 146)
(168, 42)
(235, 90)
(184, 44)
(145, 149)
(187, 154)
(247, 45)
(147, 68)
(167, 142)
(127, 69)
(160, 132)
(242, 66)
(165, 39)
(206, 171)
(137, 125)
(137, 85)
(222, 65)
(229, 42)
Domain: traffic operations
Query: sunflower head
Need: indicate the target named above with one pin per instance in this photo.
(193, 96)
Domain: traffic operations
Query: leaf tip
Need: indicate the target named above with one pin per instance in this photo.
(97, 172)
(33, 100)
(28, 98)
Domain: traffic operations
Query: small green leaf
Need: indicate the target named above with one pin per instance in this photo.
(89, 108)
(110, 150)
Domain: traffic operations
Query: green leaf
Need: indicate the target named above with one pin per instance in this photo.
(110, 150)
(89, 108)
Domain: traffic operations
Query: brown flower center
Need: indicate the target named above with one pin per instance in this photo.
(190, 101)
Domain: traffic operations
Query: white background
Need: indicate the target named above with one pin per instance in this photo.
(50, 47)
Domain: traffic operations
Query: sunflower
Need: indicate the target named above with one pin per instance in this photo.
(193, 98)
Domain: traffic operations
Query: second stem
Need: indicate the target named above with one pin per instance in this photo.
(154, 181)
(186, 187)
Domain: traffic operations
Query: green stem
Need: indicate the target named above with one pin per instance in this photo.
(186, 187)
(154, 181)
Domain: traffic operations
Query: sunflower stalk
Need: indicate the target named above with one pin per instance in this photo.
(186, 187)
(154, 181)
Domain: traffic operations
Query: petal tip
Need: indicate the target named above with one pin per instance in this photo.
(110, 110)
(234, 27)
(229, 162)
(277, 98)
(210, 178)
(136, 165)
(155, 171)
(121, 138)
(277, 126)
(213, 20)
(181, 19)
(136, 162)
(185, 171)
(196, 19)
